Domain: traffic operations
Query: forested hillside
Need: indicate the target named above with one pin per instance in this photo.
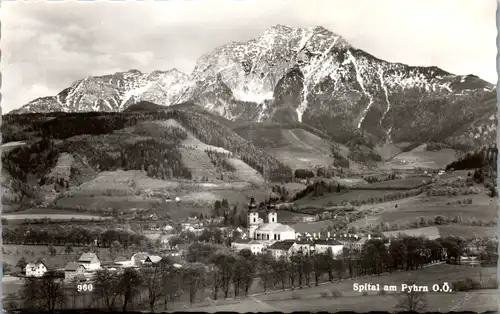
(127, 140)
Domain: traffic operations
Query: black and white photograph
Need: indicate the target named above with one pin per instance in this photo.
(249, 156)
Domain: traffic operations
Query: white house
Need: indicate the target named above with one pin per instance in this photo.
(90, 261)
(321, 246)
(283, 249)
(73, 270)
(139, 258)
(254, 246)
(35, 269)
(304, 246)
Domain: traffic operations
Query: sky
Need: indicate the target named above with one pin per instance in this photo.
(47, 45)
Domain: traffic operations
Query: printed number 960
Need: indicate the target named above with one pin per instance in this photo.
(84, 287)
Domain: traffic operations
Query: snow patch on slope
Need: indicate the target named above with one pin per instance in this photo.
(360, 81)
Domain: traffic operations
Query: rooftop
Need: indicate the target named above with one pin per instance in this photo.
(72, 266)
(87, 257)
(282, 245)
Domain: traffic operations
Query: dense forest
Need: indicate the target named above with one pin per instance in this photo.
(486, 157)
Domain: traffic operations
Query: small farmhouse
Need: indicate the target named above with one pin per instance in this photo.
(35, 269)
(73, 270)
(90, 261)
(323, 245)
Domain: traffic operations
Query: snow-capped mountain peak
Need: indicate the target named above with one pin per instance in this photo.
(309, 75)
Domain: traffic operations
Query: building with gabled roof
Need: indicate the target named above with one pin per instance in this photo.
(152, 259)
(35, 269)
(73, 270)
(90, 260)
(283, 248)
(270, 231)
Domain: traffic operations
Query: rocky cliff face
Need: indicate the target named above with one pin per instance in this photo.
(309, 75)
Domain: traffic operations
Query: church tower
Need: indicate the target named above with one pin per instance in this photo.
(272, 216)
(253, 218)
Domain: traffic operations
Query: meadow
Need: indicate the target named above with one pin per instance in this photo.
(420, 157)
(51, 213)
(337, 198)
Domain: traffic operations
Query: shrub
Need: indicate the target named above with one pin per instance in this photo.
(336, 293)
(365, 293)
(382, 292)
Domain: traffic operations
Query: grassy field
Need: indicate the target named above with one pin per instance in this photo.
(52, 213)
(301, 149)
(337, 198)
(289, 216)
(429, 232)
(421, 158)
(409, 209)
(467, 231)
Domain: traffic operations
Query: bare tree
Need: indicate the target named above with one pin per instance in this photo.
(152, 276)
(106, 287)
(413, 301)
(129, 285)
(43, 293)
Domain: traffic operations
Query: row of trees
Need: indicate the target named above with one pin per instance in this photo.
(57, 234)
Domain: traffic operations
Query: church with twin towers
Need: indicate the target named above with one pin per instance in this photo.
(270, 230)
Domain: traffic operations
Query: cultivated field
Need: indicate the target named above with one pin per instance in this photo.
(421, 158)
(311, 299)
(301, 149)
(289, 216)
(246, 173)
(336, 198)
(429, 232)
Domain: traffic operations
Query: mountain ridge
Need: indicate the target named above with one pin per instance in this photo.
(306, 75)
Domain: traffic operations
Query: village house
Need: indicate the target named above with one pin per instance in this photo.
(152, 259)
(254, 246)
(90, 261)
(283, 249)
(138, 259)
(322, 246)
(74, 270)
(304, 247)
(35, 269)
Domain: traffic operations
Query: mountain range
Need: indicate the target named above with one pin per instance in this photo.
(308, 76)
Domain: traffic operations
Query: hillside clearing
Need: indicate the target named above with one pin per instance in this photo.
(62, 169)
(246, 173)
(421, 158)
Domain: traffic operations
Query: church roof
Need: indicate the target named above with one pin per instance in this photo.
(274, 226)
(283, 228)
